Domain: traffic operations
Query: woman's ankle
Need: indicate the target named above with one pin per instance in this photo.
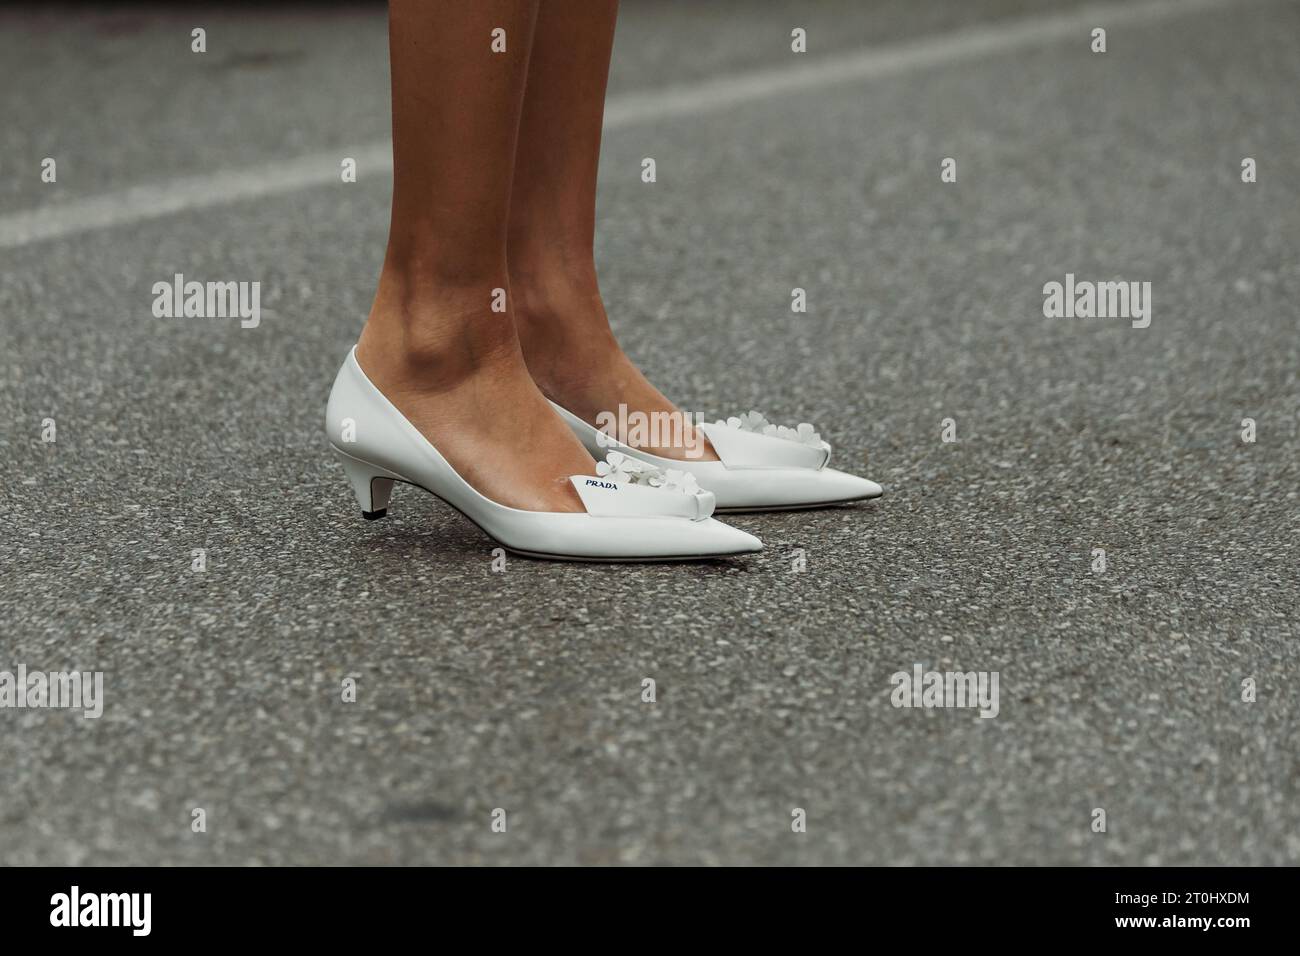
(564, 333)
(430, 337)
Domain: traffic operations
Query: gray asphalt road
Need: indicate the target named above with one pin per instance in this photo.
(521, 690)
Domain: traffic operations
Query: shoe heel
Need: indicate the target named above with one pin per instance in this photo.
(372, 485)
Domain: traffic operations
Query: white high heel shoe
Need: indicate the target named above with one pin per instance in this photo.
(761, 467)
(624, 521)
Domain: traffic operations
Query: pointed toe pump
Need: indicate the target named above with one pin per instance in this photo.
(761, 466)
(632, 514)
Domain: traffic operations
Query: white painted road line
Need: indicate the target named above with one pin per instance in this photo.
(202, 191)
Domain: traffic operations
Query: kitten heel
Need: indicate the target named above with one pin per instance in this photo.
(372, 485)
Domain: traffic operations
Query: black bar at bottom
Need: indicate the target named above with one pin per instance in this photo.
(335, 906)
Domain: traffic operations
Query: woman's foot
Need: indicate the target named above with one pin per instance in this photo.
(574, 358)
(469, 393)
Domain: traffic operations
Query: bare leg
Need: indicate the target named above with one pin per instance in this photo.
(565, 334)
(432, 343)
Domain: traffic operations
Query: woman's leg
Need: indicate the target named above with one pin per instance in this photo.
(566, 338)
(433, 343)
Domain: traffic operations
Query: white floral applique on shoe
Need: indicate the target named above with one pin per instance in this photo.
(757, 422)
(626, 470)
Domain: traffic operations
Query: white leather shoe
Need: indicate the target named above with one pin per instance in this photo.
(762, 467)
(645, 518)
